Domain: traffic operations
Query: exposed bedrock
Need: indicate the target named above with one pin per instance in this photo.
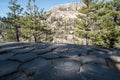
(47, 61)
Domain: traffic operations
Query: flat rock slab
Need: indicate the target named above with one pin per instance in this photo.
(8, 67)
(98, 72)
(48, 61)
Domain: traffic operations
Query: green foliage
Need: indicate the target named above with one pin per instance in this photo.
(13, 18)
(29, 25)
(102, 21)
(35, 23)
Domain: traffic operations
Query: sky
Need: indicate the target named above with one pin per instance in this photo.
(46, 4)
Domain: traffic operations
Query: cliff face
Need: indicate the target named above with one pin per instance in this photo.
(46, 61)
(62, 18)
(65, 11)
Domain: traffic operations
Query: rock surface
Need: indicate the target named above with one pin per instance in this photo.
(61, 19)
(65, 11)
(47, 61)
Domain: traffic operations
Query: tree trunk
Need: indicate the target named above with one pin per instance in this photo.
(111, 44)
(35, 38)
(86, 37)
(115, 19)
(17, 34)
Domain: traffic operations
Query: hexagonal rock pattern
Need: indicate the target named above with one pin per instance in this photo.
(48, 61)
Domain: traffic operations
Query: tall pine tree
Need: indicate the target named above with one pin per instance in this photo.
(103, 19)
(13, 17)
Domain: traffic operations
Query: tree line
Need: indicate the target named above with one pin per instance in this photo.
(29, 25)
(98, 23)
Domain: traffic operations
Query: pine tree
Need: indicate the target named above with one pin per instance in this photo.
(102, 18)
(83, 25)
(13, 17)
(35, 23)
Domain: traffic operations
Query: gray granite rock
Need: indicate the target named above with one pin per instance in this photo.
(24, 50)
(51, 55)
(99, 72)
(35, 65)
(8, 67)
(9, 49)
(48, 61)
(56, 74)
(15, 76)
(4, 57)
(41, 45)
(13, 44)
(23, 57)
(66, 64)
(91, 59)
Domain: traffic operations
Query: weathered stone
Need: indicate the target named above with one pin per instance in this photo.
(100, 54)
(98, 72)
(41, 51)
(24, 50)
(8, 67)
(17, 76)
(80, 52)
(51, 55)
(13, 44)
(44, 61)
(61, 49)
(69, 54)
(23, 57)
(64, 52)
(59, 70)
(4, 57)
(91, 59)
(34, 65)
(5, 50)
(66, 64)
(41, 45)
(56, 74)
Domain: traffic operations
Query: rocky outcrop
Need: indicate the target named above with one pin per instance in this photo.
(65, 11)
(47, 61)
(61, 19)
